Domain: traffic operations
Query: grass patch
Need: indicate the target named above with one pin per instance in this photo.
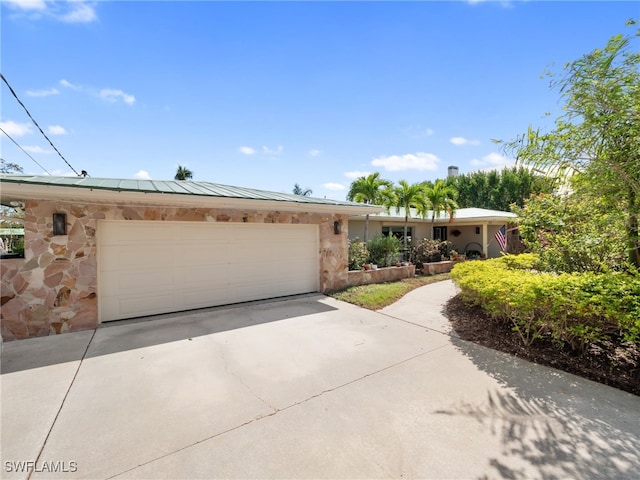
(379, 295)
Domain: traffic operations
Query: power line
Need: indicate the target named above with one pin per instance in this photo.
(26, 153)
(36, 124)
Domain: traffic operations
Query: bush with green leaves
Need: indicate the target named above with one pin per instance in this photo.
(358, 254)
(573, 234)
(428, 251)
(384, 251)
(571, 309)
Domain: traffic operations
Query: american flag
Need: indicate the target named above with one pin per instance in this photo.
(501, 237)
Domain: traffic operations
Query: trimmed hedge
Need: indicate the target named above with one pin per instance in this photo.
(573, 309)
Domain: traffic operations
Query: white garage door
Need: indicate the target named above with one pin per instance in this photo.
(154, 267)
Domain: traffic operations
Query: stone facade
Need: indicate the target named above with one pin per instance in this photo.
(54, 288)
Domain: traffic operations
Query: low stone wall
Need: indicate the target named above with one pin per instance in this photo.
(437, 267)
(381, 275)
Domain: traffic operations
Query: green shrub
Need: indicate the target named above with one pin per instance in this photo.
(571, 309)
(427, 251)
(358, 254)
(384, 251)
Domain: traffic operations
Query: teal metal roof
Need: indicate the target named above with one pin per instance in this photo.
(172, 187)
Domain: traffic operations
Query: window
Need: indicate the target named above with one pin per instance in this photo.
(440, 233)
(398, 232)
(11, 231)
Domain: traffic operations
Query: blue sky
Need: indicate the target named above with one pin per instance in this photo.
(269, 94)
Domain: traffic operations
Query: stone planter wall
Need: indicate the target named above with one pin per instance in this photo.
(381, 275)
(434, 268)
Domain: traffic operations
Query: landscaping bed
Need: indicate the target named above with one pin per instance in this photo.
(612, 362)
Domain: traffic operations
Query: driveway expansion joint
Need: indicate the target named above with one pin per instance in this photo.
(64, 399)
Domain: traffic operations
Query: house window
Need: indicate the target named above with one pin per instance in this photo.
(398, 232)
(12, 231)
(440, 233)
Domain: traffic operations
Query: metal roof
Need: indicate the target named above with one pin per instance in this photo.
(171, 187)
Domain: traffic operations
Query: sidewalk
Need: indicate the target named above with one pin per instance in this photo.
(305, 387)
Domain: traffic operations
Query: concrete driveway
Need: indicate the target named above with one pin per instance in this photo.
(305, 387)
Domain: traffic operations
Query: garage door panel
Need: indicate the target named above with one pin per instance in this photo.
(132, 257)
(140, 281)
(147, 268)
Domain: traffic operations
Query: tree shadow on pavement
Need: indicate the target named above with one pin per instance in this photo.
(551, 424)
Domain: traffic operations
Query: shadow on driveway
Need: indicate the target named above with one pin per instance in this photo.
(553, 420)
(122, 335)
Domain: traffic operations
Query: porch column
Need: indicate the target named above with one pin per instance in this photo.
(485, 241)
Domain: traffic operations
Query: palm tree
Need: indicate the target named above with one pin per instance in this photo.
(183, 173)
(441, 197)
(409, 196)
(371, 190)
(297, 190)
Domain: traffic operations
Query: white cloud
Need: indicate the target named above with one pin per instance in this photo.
(56, 130)
(268, 151)
(496, 159)
(428, 132)
(356, 174)
(463, 141)
(67, 84)
(71, 11)
(16, 129)
(493, 161)
(143, 175)
(410, 161)
(43, 93)
(247, 150)
(36, 149)
(79, 12)
(27, 4)
(333, 186)
(112, 95)
(315, 153)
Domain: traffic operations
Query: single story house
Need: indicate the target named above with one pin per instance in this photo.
(471, 230)
(100, 249)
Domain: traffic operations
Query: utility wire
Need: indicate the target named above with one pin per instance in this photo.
(26, 153)
(36, 124)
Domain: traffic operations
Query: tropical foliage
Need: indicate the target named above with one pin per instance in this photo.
(597, 138)
(441, 198)
(183, 173)
(383, 251)
(358, 254)
(298, 190)
(372, 190)
(427, 251)
(574, 310)
(405, 197)
(571, 235)
(497, 190)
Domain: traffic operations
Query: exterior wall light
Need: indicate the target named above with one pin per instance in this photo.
(59, 223)
(337, 227)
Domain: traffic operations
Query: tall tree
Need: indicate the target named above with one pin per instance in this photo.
(441, 198)
(597, 138)
(372, 190)
(408, 196)
(298, 190)
(500, 189)
(9, 167)
(183, 173)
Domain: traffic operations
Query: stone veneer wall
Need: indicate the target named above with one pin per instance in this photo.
(53, 289)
